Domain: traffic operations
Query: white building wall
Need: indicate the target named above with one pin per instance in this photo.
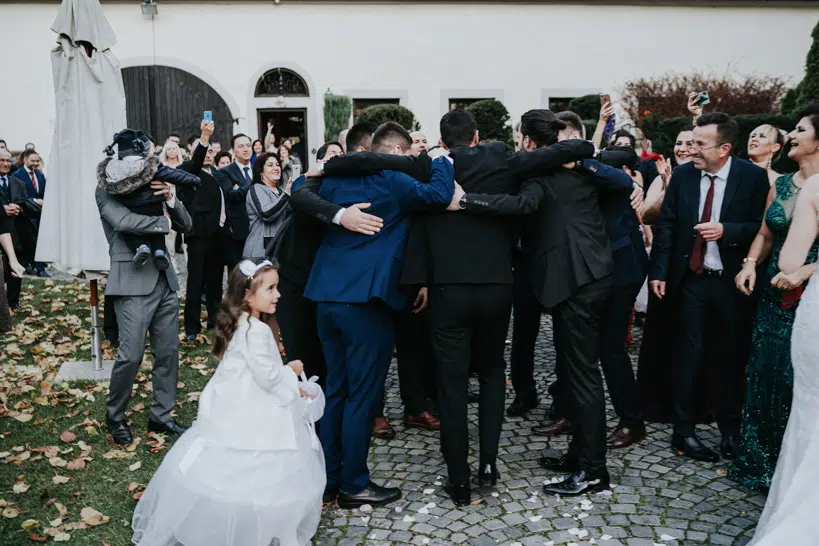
(527, 52)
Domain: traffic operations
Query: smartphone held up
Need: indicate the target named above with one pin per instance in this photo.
(208, 116)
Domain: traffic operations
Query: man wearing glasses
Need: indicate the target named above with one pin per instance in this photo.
(711, 213)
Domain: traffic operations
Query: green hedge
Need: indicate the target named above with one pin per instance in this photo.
(587, 107)
(337, 110)
(492, 118)
(382, 113)
(663, 133)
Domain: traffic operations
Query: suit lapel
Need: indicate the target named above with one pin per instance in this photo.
(731, 186)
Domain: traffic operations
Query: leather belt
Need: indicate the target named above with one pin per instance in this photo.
(716, 273)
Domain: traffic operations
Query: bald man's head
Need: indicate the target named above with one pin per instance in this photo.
(419, 142)
(5, 162)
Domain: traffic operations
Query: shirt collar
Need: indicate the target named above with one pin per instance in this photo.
(242, 167)
(722, 174)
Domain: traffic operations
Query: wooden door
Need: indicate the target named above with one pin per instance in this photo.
(162, 100)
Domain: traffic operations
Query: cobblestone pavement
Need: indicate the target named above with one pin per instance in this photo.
(660, 498)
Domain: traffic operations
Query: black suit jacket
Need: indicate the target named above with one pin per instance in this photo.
(205, 202)
(743, 206)
(235, 199)
(23, 232)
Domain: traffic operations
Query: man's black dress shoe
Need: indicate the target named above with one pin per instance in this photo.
(558, 464)
(373, 494)
(43, 274)
(579, 483)
(119, 431)
(729, 446)
(190, 338)
(459, 494)
(555, 428)
(625, 436)
(521, 406)
(171, 427)
(330, 494)
(690, 446)
(488, 475)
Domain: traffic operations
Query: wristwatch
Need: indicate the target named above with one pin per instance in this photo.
(462, 202)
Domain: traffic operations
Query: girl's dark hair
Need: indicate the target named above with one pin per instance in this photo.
(233, 305)
(258, 167)
(811, 111)
(323, 150)
(220, 155)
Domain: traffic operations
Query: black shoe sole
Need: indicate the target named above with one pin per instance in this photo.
(602, 486)
(707, 459)
(348, 504)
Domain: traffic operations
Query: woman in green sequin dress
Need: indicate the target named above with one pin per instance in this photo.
(770, 374)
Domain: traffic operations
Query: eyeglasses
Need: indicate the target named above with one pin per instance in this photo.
(695, 147)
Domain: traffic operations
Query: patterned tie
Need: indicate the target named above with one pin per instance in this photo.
(697, 263)
(34, 182)
(4, 183)
(247, 175)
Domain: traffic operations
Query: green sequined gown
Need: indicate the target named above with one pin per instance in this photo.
(770, 374)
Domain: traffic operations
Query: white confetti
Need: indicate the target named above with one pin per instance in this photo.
(582, 534)
(535, 519)
(534, 493)
(423, 510)
(365, 519)
(550, 543)
(582, 515)
(605, 493)
(425, 541)
(398, 509)
(495, 494)
(567, 515)
(408, 519)
(667, 537)
(532, 500)
(516, 544)
(592, 541)
(437, 483)
(574, 531)
(373, 536)
(429, 491)
(656, 544)
(605, 537)
(366, 508)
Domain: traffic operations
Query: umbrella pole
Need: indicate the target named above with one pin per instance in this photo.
(96, 350)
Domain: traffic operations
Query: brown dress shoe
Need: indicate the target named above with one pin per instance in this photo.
(425, 420)
(555, 428)
(626, 436)
(382, 429)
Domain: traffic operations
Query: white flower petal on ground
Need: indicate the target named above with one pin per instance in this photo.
(408, 519)
(365, 519)
(437, 483)
(398, 509)
(605, 537)
(366, 508)
(495, 494)
(535, 519)
(429, 491)
(582, 515)
(574, 531)
(665, 537)
(582, 534)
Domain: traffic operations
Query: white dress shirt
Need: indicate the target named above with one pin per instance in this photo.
(712, 257)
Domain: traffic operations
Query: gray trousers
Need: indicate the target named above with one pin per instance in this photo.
(157, 313)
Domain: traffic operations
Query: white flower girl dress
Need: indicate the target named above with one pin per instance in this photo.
(249, 471)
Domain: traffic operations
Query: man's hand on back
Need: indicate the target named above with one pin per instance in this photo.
(354, 219)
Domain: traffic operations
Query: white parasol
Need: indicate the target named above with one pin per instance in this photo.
(90, 101)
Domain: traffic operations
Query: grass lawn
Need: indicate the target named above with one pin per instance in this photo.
(55, 457)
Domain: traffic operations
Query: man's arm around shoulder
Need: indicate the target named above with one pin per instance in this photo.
(123, 220)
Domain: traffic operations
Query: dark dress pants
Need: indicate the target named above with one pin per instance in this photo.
(13, 284)
(110, 326)
(577, 326)
(713, 315)
(617, 367)
(296, 316)
(526, 312)
(469, 325)
(357, 340)
(416, 360)
(207, 258)
(237, 247)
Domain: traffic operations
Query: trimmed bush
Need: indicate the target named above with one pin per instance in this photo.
(809, 88)
(587, 107)
(337, 110)
(493, 120)
(382, 113)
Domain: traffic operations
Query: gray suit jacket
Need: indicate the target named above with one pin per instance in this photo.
(125, 278)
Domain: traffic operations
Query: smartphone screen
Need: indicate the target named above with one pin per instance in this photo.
(208, 116)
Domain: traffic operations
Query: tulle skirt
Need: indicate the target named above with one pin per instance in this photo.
(207, 495)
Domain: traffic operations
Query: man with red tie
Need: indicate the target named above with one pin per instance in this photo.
(35, 187)
(711, 210)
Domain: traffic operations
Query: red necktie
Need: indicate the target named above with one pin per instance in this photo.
(34, 183)
(697, 263)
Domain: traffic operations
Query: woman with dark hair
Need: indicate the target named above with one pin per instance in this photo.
(222, 159)
(258, 149)
(267, 206)
(329, 150)
(765, 145)
(769, 387)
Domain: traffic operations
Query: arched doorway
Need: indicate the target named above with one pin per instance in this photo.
(286, 110)
(162, 100)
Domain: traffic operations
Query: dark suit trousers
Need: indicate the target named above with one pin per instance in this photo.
(416, 360)
(109, 319)
(577, 323)
(237, 248)
(296, 316)
(357, 341)
(13, 284)
(207, 258)
(469, 326)
(710, 309)
(526, 312)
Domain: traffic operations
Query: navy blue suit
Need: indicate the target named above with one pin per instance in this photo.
(354, 281)
(22, 174)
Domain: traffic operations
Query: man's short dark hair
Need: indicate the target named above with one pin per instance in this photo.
(238, 135)
(622, 133)
(541, 126)
(26, 153)
(3, 142)
(174, 134)
(326, 146)
(388, 136)
(811, 111)
(572, 120)
(360, 135)
(218, 157)
(727, 128)
(458, 128)
(192, 139)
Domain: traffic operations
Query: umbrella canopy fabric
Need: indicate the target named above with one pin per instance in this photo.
(90, 101)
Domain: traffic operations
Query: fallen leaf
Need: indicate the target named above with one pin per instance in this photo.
(63, 511)
(56, 523)
(11, 512)
(137, 496)
(57, 461)
(20, 487)
(62, 537)
(60, 479)
(93, 517)
(24, 417)
(68, 437)
(37, 538)
(76, 464)
(30, 524)
(83, 446)
(136, 466)
(133, 486)
(476, 502)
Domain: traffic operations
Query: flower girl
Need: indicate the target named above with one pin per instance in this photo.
(249, 471)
